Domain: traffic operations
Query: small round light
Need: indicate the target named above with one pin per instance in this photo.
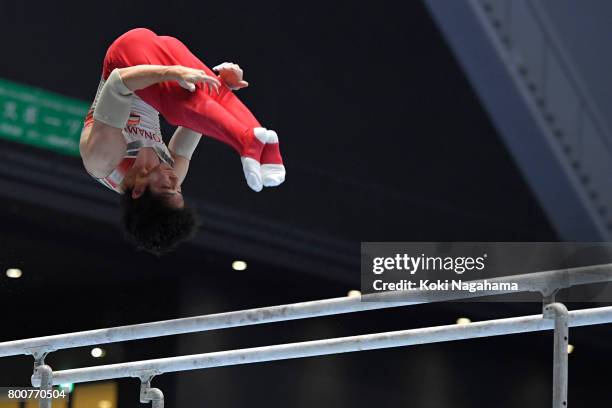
(239, 265)
(14, 273)
(69, 386)
(570, 348)
(97, 352)
(463, 320)
(105, 404)
(353, 293)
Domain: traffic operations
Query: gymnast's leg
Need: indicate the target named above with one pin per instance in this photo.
(272, 168)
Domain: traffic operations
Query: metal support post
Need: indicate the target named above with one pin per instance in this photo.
(560, 314)
(147, 394)
(45, 373)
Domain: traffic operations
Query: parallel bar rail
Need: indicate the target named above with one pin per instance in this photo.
(332, 346)
(545, 282)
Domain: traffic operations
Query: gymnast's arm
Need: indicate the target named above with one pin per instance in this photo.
(182, 145)
(102, 145)
(142, 76)
(181, 167)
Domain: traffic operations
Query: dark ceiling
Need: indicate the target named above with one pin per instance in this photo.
(383, 140)
(382, 136)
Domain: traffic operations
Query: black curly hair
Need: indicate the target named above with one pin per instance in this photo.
(154, 226)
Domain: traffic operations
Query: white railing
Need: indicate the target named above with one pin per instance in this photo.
(555, 317)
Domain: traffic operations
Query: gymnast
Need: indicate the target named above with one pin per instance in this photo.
(121, 143)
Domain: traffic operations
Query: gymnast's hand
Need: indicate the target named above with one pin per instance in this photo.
(231, 74)
(188, 78)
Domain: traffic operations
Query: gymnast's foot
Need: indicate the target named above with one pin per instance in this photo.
(251, 157)
(272, 168)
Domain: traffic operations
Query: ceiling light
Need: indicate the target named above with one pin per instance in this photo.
(463, 320)
(14, 273)
(353, 293)
(239, 265)
(105, 404)
(97, 352)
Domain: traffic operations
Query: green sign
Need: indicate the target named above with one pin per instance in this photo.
(41, 118)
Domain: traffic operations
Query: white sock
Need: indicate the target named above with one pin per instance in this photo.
(252, 173)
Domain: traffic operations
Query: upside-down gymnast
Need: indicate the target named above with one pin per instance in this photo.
(121, 143)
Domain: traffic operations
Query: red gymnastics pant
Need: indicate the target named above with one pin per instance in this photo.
(223, 117)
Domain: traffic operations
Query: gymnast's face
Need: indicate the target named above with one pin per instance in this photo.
(161, 181)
